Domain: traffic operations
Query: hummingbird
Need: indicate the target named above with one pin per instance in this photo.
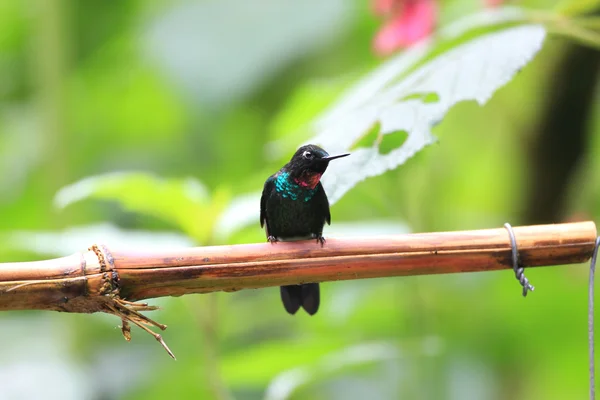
(294, 206)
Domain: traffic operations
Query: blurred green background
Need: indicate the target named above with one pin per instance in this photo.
(210, 98)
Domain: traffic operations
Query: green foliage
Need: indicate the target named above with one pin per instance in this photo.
(472, 71)
(293, 124)
(182, 202)
(123, 108)
(577, 7)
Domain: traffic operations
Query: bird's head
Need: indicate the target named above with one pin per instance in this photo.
(309, 163)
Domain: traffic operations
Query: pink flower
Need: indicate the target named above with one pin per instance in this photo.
(408, 22)
(492, 3)
(383, 7)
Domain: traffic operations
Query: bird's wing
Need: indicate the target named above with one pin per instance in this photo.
(269, 185)
(322, 203)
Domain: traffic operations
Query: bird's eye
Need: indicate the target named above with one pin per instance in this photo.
(308, 155)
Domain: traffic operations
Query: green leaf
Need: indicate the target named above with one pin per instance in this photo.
(577, 7)
(183, 202)
(71, 240)
(305, 104)
(234, 371)
(239, 213)
(470, 71)
(358, 357)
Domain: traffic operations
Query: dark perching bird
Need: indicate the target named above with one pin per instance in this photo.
(294, 206)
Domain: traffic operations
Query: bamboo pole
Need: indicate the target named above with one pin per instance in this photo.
(103, 281)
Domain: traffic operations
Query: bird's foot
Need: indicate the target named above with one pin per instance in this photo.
(272, 239)
(320, 239)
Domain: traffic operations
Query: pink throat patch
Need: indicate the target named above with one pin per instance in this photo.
(308, 180)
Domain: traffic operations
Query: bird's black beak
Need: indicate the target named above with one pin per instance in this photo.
(329, 158)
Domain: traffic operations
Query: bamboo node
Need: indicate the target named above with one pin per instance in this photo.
(127, 311)
(100, 255)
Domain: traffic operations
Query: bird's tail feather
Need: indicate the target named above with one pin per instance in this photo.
(311, 297)
(307, 296)
(291, 296)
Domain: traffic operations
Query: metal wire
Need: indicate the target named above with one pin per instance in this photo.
(591, 320)
(527, 286)
(519, 274)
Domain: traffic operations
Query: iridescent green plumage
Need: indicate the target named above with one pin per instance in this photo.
(290, 189)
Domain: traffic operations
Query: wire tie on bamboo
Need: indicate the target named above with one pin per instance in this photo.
(517, 267)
